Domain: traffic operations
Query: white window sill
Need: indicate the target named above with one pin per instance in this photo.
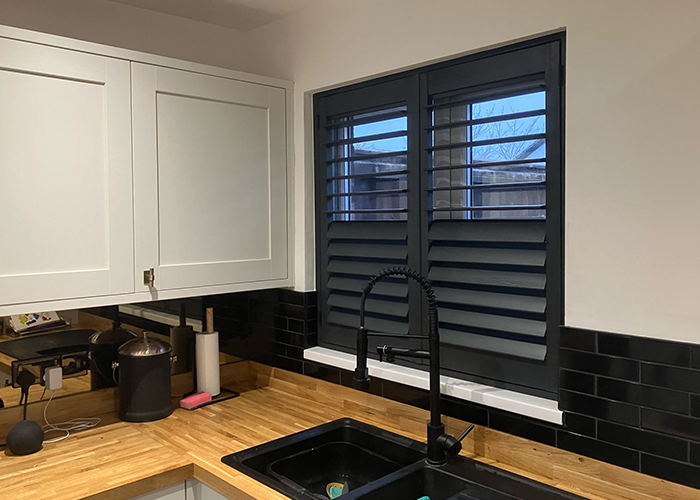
(515, 402)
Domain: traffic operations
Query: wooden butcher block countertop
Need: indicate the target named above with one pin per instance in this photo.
(121, 460)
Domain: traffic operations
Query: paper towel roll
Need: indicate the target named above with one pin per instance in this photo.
(207, 362)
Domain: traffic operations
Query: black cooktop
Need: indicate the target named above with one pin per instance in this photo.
(47, 344)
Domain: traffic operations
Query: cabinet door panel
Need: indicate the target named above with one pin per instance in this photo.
(65, 169)
(196, 490)
(210, 168)
(173, 492)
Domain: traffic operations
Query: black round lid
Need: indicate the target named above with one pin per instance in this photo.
(144, 346)
(114, 336)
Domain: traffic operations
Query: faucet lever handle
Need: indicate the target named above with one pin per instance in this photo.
(453, 445)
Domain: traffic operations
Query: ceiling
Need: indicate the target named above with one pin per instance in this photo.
(243, 15)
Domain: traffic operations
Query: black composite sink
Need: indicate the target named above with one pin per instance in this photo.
(418, 483)
(344, 451)
(460, 479)
(373, 464)
(338, 462)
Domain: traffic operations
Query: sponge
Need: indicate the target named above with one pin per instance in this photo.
(195, 400)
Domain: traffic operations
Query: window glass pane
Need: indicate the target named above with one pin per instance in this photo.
(376, 165)
(509, 214)
(509, 128)
(524, 183)
(531, 172)
(391, 125)
(380, 146)
(390, 202)
(508, 151)
(379, 114)
(494, 197)
(363, 184)
(507, 105)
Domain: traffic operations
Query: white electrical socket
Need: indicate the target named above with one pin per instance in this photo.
(53, 377)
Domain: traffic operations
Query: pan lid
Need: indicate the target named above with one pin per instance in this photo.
(144, 346)
(114, 336)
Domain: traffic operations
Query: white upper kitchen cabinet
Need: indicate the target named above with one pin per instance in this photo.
(210, 179)
(66, 219)
(115, 162)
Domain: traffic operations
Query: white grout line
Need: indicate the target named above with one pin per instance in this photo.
(503, 399)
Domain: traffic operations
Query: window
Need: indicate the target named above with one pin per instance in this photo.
(454, 170)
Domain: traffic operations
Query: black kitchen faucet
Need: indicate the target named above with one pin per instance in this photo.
(440, 444)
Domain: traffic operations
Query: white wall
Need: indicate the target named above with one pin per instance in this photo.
(132, 28)
(633, 116)
(632, 123)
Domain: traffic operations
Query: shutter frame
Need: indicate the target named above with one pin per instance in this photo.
(531, 372)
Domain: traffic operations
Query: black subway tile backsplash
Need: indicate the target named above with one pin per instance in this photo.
(695, 453)
(577, 381)
(669, 423)
(464, 410)
(624, 457)
(660, 416)
(519, 426)
(643, 395)
(695, 356)
(405, 394)
(695, 405)
(646, 441)
(614, 411)
(322, 372)
(269, 326)
(580, 424)
(293, 365)
(677, 472)
(582, 340)
(657, 351)
(680, 379)
(600, 365)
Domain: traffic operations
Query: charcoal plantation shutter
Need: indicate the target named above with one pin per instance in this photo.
(491, 218)
(473, 200)
(490, 281)
(356, 251)
(364, 206)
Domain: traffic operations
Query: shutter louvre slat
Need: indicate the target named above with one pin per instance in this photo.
(370, 230)
(355, 285)
(487, 255)
(489, 231)
(493, 322)
(512, 302)
(510, 347)
(371, 323)
(510, 321)
(368, 251)
(390, 308)
(504, 279)
(359, 268)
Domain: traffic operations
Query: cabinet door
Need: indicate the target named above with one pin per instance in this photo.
(173, 492)
(65, 175)
(196, 490)
(210, 179)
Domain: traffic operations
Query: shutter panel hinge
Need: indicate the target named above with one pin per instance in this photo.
(149, 277)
